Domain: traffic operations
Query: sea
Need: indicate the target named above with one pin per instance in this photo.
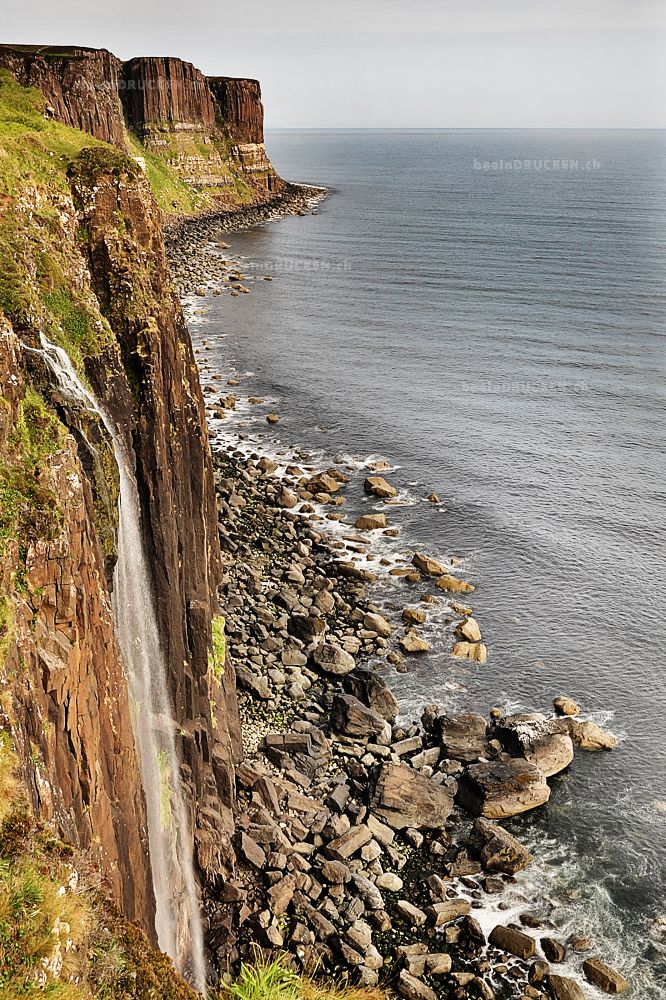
(485, 310)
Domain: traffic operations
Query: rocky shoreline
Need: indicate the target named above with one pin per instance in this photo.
(193, 244)
(367, 846)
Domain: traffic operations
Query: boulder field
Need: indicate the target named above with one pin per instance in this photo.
(365, 843)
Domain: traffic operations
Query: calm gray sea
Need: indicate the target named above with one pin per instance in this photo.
(492, 321)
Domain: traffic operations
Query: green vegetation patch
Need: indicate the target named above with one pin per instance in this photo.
(218, 652)
(278, 981)
(33, 148)
(28, 508)
(172, 193)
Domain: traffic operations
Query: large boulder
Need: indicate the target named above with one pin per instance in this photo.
(603, 976)
(564, 705)
(332, 659)
(497, 849)
(448, 910)
(405, 798)
(427, 564)
(563, 988)
(370, 522)
(454, 585)
(545, 743)
(377, 623)
(255, 683)
(371, 688)
(515, 941)
(307, 628)
(502, 788)
(411, 642)
(469, 629)
(589, 736)
(323, 483)
(352, 718)
(378, 486)
(463, 736)
(411, 988)
(463, 650)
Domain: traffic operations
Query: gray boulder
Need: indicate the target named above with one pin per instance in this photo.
(406, 798)
(546, 743)
(352, 718)
(371, 688)
(463, 736)
(497, 849)
(502, 788)
(332, 659)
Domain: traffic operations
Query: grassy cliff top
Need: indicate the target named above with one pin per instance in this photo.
(33, 148)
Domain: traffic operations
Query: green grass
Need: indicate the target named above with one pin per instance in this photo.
(274, 981)
(6, 636)
(33, 148)
(60, 940)
(36, 258)
(40, 924)
(277, 981)
(172, 193)
(28, 507)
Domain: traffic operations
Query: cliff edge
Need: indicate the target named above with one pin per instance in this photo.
(200, 140)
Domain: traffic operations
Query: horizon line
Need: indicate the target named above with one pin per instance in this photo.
(465, 128)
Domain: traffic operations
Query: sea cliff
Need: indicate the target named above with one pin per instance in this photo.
(322, 829)
(83, 265)
(199, 139)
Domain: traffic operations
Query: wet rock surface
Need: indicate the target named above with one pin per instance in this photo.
(356, 850)
(197, 254)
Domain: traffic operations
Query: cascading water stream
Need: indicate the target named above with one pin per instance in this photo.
(177, 915)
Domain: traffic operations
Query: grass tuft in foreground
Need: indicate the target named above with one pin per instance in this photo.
(277, 981)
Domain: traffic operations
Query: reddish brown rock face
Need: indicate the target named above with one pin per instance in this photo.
(163, 91)
(64, 691)
(79, 84)
(64, 696)
(238, 105)
(166, 426)
(170, 105)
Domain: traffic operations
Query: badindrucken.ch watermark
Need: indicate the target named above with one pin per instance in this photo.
(536, 165)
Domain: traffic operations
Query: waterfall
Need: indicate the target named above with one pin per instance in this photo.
(177, 916)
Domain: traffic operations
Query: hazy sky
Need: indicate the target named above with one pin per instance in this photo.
(394, 63)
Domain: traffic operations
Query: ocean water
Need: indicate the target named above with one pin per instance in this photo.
(497, 333)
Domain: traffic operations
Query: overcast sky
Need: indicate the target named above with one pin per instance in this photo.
(394, 63)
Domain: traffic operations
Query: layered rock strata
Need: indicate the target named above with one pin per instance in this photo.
(209, 130)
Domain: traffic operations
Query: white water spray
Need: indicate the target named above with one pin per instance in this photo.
(177, 916)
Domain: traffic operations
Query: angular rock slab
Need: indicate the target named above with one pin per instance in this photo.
(463, 736)
(588, 735)
(405, 798)
(371, 688)
(498, 850)
(512, 940)
(563, 988)
(603, 976)
(351, 717)
(332, 659)
(546, 743)
(502, 788)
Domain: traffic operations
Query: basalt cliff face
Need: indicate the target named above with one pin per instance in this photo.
(211, 129)
(200, 139)
(79, 84)
(239, 104)
(82, 263)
